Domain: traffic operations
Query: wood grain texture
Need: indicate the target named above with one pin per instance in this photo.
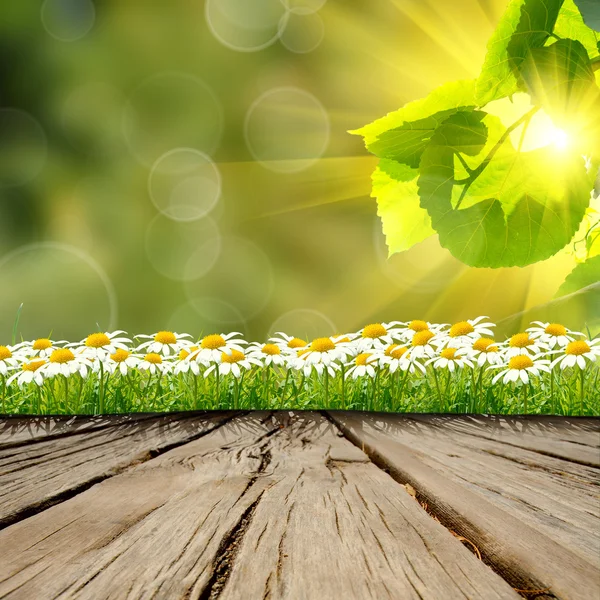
(577, 440)
(513, 504)
(21, 430)
(36, 475)
(262, 507)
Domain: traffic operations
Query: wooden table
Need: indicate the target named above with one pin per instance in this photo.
(299, 505)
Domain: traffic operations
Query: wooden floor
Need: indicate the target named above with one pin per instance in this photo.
(299, 505)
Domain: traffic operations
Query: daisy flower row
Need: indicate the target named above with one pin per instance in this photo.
(397, 346)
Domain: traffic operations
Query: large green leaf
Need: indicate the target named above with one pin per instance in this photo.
(581, 276)
(446, 97)
(529, 204)
(403, 221)
(560, 78)
(570, 25)
(590, 10)
(524, 25)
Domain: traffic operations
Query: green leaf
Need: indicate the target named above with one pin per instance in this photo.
(527, 207)
(570, 25)
(581, 276)
(524, 25)
(560, 78)
(406, 143)
(590, 11)
(448, 96)
(404, 222)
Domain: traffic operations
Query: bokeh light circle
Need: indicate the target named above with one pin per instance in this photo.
(23, 147)
(184, 184)
(206, 315)
(307, 6)
(304, 323)
(242, 276)
(171, 110)
(287, 129)
(245, 26)
(302, 31)
(182, 251)
(423, 268)
(62, 288)
(68, 20)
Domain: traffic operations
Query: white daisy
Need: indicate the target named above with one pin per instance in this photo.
(466, 332)
(485, 350)
(377, 336)
(233, 362)
(121, 361)
(552, 334)
(399, 357)
(320, 354)
(30, 372)
(287, 343)
(164, 342)
(267, 354)
(523, 343)
(424, 344)
(408, 331)
(42, 347)
(153, 363)
(63, 361)
(520, 367)
(451, 359)
(577, 353)
(363, 364)
(9, 358)
(214, 345)
(187, 362)
(101, 345)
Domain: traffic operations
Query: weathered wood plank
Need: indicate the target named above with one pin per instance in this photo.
(34, 476)
(259, 508)
(572, 439)
(473, 503)
(557, 497)
(20, 430)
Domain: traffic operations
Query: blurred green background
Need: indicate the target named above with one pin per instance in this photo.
(184, 164)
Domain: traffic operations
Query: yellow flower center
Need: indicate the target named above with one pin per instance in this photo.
(449, 353)
(234, 357)
(153, 358)
(520, 362)
(165, 337)
(303, 352)
(361, 359)
(343, 340)
(185, 353)
(34, 365)
(461, 328)
(577, 348)
(5, 353)
(97, 340)
(520, 340)
(120, 355)
(61, 356)
(421, 338)
(418, 326)
(271, 349)
(322, 345)
(212, 342)
(556, 329)
(296, 343)
(485, 345)
(373, 331)
(42, 344)
(398, 352)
